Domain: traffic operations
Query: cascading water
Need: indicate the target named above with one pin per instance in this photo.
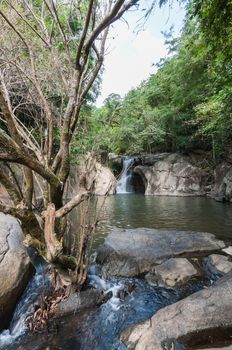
(124, 184)
(36, 287)
(97, 328)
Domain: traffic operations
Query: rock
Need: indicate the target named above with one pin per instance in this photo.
(131, 252)
(15, 266)
(228, 250)
(220, 197)
(174, 175)
(218, 263)
(227, 277)
(105, 182)
(98, 179)
(115, 158)
(79, 301)
(151, 279)
(222, 189)
(175, 271)
(203, 311)
(151, 159)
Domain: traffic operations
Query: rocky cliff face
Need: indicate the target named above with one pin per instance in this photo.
(92, 176)
(173, 175)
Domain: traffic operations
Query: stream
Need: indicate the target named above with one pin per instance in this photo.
(100, 328)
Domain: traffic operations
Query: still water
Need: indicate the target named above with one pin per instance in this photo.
(184, 213)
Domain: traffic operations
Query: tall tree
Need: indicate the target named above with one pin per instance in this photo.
(51, 55)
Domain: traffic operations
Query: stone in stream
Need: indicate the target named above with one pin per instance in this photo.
(132, 252)
(175, 271)
(218, 263)
(77, 302)
(198, 314)
(15, 266)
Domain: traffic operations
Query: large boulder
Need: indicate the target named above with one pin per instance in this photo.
(185, 321)
(104, 181)
(222, 189)
(131, 252)
(174, 175)
(92, 176)
(15, 266)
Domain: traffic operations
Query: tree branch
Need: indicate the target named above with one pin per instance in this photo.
(10, 151)
(75, 201)
(10, 187)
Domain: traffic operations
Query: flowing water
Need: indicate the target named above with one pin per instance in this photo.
(100, 328)
(124, 184)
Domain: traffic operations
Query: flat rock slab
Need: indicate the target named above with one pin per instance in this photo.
(203, 311)
(218, 263)
(175, 271)
(131, 252)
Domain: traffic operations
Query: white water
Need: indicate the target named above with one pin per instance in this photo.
(107, 286)
(124, 183)
(24, 308)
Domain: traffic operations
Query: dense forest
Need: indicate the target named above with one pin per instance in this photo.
(185, 105)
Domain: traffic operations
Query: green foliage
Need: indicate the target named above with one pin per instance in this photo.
(215, 19)
(186, 104)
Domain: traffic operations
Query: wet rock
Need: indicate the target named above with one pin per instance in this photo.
(175, 271)
(131, 252)
(126, 291)
(174, 175)
(218, 263)
(122, 294)
(151, 279)
(80, 301)
(201, 312)
(15, 266)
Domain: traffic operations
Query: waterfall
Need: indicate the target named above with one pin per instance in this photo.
(124, 184)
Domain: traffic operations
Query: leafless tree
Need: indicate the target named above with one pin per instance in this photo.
(51, 54)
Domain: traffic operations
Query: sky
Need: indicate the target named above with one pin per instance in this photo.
(131, 55)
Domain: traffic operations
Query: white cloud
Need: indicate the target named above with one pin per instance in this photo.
(131, 55)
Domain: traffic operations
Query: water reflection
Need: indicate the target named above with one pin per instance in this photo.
(185, 213)
(136, 210)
